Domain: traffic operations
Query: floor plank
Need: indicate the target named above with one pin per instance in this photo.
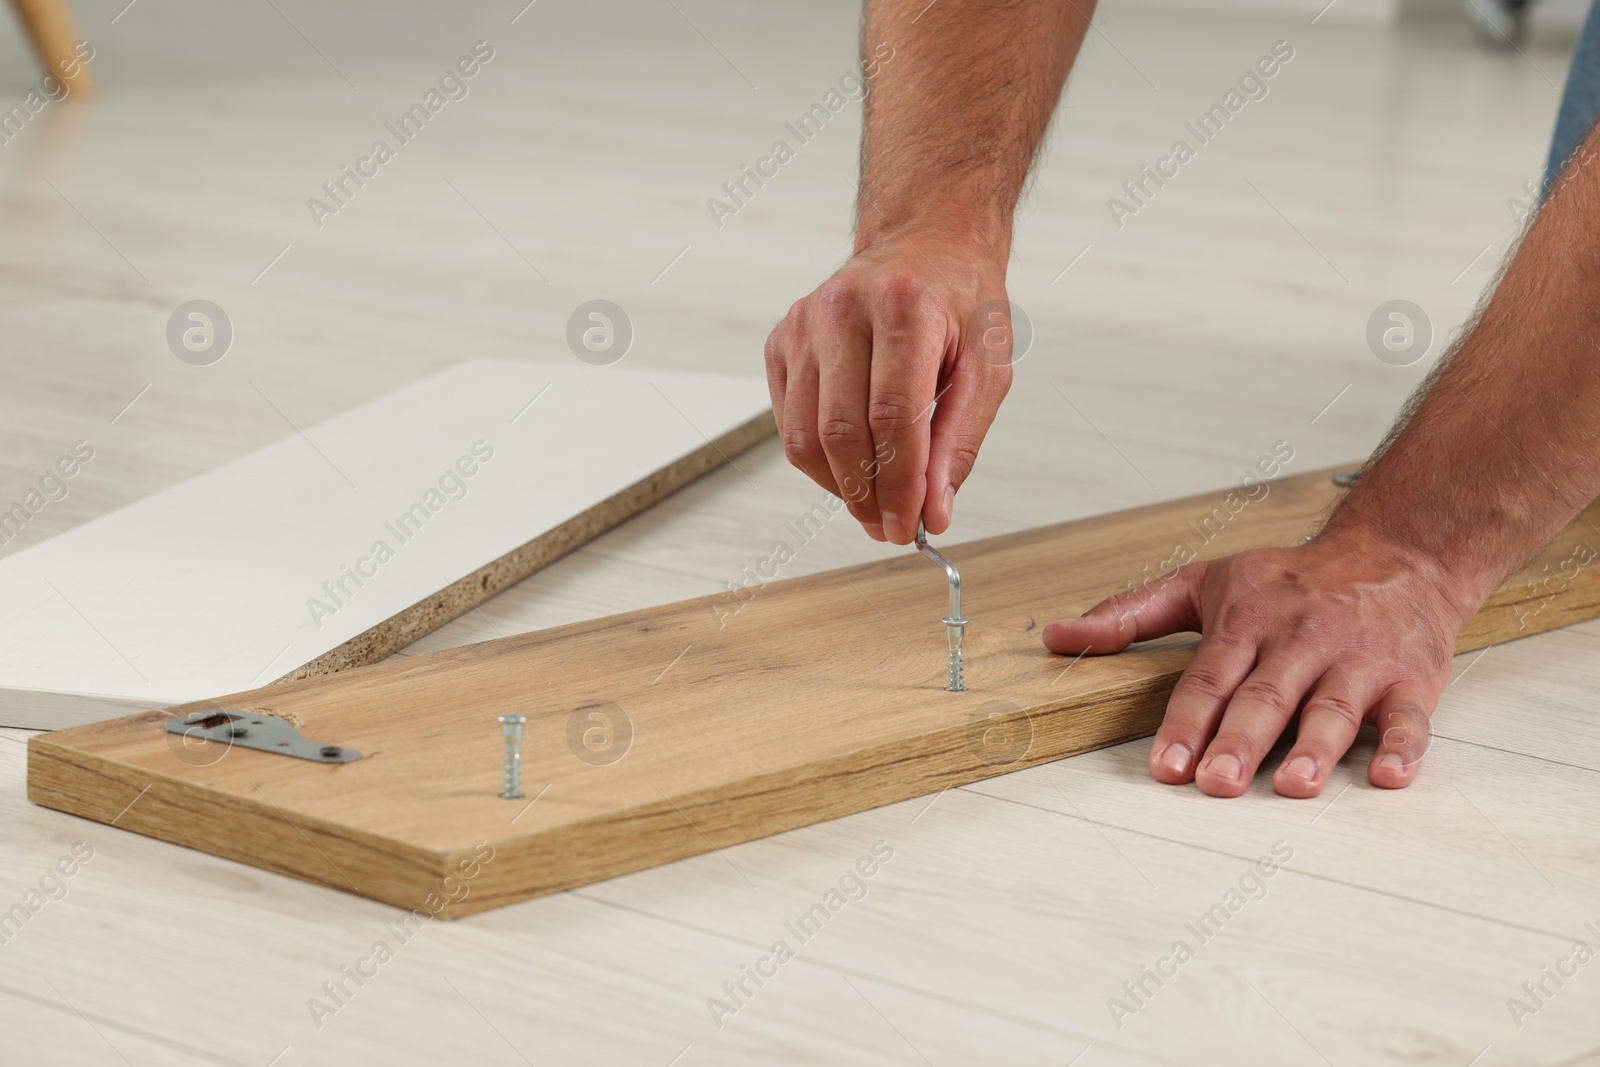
(1193, 338)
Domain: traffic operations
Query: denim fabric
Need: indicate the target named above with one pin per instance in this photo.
(1580, 102)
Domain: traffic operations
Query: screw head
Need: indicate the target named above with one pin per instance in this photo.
(331, 751)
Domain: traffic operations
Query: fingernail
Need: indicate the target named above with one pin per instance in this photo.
(1392, 759)
(1301, 767)
(891, 526)
(949, 501)
(1174, 758)
(1226, 765)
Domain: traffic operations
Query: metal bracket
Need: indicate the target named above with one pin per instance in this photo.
(264, 733)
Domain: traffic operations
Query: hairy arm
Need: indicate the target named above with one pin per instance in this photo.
(1499, 449)
(953, 122)
(959, 96)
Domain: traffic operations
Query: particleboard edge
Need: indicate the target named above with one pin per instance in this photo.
(464, 594)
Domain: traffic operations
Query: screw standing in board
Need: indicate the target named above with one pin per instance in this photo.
(954, 624)
(511, 730)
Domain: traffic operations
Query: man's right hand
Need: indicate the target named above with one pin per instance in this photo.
(856, 367)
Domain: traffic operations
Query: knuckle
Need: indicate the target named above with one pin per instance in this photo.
(1201, 680)
(1406, 710)
(836, 302)
(892, 413)
(799, 445)
(900, 293)
(838, 433)
(799, 316)
(963, 456)
(1264, 691)
(1318, 629)
(1407, 735)
(1347, 713)
(773, 350)
(1248, 616)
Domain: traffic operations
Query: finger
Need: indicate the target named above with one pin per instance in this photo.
(1256, 715)
(1405, 731)
(800, 441)
(1225, 657)
(968, 400)
(775, 354)
(907, 348)
(1222, 661)
(1165, 606)
(1328, 726)
(842, 421)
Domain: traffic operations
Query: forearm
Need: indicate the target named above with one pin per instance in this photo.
(954, 118)
(1503, 447)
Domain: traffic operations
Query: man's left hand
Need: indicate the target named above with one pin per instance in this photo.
(1347, 630)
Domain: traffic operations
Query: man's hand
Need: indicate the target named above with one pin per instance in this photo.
(1496, 452)
(1348, 630)
(957, 99)
(855, 369)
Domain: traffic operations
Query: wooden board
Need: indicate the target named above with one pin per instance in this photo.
(218, 583)
(729, 719)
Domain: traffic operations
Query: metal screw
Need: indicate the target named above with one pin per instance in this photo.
(330, 751)
(954, 623)
(511, 730)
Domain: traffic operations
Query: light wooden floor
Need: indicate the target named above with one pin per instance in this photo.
(1227, 315)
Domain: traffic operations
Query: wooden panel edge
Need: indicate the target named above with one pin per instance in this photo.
(698, 823)
(1535, 602)
(77, 783)
(464, 594)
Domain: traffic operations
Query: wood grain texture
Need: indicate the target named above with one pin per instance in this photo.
(815, 698)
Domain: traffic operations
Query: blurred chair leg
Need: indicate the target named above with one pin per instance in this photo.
(50, 26)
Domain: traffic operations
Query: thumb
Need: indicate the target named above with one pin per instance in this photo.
(1166, 606)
